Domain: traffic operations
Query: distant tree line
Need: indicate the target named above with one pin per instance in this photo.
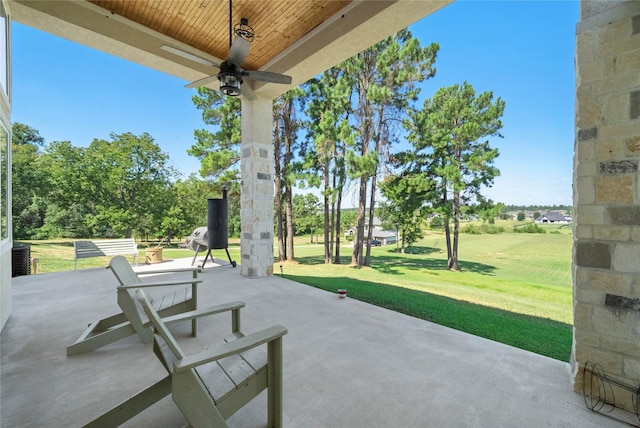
(120, 187)
(539, 208)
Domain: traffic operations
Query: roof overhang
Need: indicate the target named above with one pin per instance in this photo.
(353, 28)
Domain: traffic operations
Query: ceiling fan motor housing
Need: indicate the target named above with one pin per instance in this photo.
(244, 30)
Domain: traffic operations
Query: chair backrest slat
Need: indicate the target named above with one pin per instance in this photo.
(123, 271)
(159, 326)
(163, 352)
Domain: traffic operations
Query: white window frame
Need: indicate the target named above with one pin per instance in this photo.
(5, 124)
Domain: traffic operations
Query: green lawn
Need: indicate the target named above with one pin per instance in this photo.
(514, 288)
(523, 273)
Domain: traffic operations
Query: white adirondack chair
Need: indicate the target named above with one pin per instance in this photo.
(210, 386)
(177, 306)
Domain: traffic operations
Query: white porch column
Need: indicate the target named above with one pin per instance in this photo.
(256, 201)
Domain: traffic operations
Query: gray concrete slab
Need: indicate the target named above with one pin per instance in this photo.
(346, 363)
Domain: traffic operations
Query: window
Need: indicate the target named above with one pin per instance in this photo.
(4, 50)
(4, 183)
(5, 154)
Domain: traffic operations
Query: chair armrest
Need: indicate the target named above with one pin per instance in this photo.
(162, 283)
(223, 350)
(184, 269)
(211, 310)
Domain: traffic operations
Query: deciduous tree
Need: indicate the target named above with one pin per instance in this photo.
(130, 179)
(27, 181)
(404, 206)
(306, 212)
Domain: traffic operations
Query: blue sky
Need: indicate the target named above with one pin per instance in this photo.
(521, 51)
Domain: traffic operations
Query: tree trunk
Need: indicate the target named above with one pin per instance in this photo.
(336, 258)
(289, 212)
(288, 139)
(341, 178)
(372, 202)
(333, 218)
(288, 197)
(447, 237)
(327, 226)
(453, 261)
(365, 132)
(455, 205)
(282, 255)
(327, 223)
(358, 241)
(381, 141)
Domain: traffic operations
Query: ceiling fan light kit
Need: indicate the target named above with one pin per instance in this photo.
(230, 80)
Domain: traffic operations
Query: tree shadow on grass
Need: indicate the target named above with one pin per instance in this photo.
(393, 263)
(415, 250)
(540, 335)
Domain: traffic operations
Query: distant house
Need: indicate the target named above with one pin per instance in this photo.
(554, 217)
(377, 223)
(386, 237)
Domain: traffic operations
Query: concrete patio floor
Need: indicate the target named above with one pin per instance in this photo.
(346, 363)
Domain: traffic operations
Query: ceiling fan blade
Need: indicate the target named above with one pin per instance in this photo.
(188, 56)
(265, 76)
(238, 51)
(247, 92)
(202, 82)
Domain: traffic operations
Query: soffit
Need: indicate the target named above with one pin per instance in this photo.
(301, 38)
(204, 25)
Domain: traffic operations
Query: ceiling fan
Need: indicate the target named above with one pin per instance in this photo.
(231, 74)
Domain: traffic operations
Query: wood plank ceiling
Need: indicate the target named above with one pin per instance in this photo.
(204, 24)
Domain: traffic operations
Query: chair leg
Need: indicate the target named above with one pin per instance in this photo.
(194, 305)
(274, 388)
(235, 321)
(134, 405)
(90, 341)
(195, 402)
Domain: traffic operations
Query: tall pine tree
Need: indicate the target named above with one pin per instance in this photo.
(448, 136)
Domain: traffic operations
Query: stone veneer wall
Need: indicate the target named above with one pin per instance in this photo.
(256, 199)
(607, 192)
(256, 213)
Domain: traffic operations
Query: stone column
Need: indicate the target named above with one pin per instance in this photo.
(256, 201)
(606, 276)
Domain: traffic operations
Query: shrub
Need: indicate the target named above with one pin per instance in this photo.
(529, 228)
(437, 223)
(492, 229)
(471, 229)
(349, 238)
